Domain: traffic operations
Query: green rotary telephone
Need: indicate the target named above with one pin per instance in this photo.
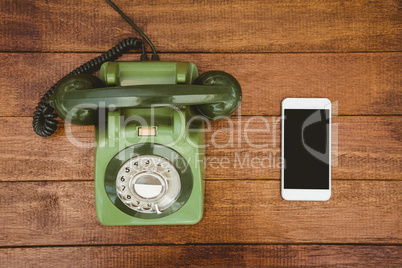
(149, 120)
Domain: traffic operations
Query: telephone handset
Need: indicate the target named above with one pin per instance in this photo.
(215, 94)
(149, 121)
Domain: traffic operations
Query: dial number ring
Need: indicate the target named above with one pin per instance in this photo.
(148, 184)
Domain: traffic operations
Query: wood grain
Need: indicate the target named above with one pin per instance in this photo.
(204, 255)
(204, 26)
(368, 148)
(63, 213)
(348, 51)
(357, 84)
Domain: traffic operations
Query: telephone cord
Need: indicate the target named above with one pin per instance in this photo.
(44, 120)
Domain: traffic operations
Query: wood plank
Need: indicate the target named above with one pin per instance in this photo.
(204, 26)
(63, 213)
(205, 255)
(368, 148)
(359, 84)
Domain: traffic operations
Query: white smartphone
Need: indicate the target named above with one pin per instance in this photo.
(306, 149)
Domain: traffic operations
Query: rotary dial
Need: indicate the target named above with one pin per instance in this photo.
(148, 184)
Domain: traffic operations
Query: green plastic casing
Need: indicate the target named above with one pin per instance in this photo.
(172, 131)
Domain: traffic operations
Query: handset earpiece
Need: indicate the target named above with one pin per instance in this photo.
(219, 79)
(70, 112)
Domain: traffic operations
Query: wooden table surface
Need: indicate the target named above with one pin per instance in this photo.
(347, 51)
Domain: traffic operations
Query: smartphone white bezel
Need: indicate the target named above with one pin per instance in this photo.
(305, 194)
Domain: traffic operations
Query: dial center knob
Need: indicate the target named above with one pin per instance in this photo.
(148, 186)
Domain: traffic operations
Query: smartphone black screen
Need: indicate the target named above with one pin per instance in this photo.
(306, 149)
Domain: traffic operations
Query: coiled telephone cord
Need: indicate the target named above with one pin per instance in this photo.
(44, 122)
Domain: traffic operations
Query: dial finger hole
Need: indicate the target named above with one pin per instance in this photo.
(167, 173)
(136, 203)
(136, 165)
(122, 188)
(159, 167)
(146, 163)
(127, 197)
(122, 179)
